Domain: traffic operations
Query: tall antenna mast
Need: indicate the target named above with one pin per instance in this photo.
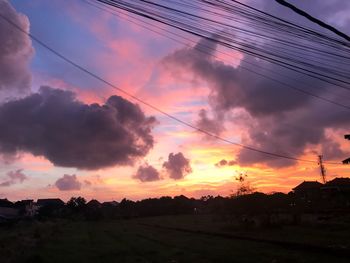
(322, 169)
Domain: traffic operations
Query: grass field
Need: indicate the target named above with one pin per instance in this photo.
(331, 234)
(146, 240)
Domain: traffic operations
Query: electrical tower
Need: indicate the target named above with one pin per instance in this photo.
(322, 169)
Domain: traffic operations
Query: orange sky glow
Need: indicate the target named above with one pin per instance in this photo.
(137, 61)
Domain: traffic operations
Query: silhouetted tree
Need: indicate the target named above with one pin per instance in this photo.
(76, 203)
(244, 186)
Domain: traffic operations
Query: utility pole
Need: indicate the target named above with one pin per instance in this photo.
(347, 161)
(322, 169)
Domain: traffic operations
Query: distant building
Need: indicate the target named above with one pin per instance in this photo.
(93, 204)
(110, 204)
(27, 208)
(308, 186)
(8, 214)
(340, 184)
(337, 192)
(51, 207)
(5, 203)
(334, 194)
(56, 202)
(308, 190)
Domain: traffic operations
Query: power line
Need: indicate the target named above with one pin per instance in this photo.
(167, 32)
(313, 19)
(173, 37)
(251, 71)
(204, 27)
(291, 23)
(150, 105)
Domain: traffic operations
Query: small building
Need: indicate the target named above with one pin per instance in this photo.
(334, 194)
(339, 184)
(27, 208)
(5, 203)
(8, 214)
(308, 190)
(50, 207)
(337, 192)
(93, 204)
(53, 202)
(110, 204)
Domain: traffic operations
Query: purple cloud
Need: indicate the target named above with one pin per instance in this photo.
(68, 183)
(15, 53)
(283, 121)
(224, 162)
(177, 166)
(14, 177)
(147, 173)
(212, 125)
(69, 133)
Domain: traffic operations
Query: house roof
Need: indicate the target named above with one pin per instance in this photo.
(346, 161)
(339, 181)
(93, 202)
(50, 201)
(110, 203)
(22, 204)
(308, 185)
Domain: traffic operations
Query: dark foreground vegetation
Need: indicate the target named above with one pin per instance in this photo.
(302, 226)
(165, 239)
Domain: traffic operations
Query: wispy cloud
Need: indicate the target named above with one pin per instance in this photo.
(14, 177)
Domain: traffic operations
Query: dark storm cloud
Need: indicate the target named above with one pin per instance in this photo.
(285, 121)
(332, 150)
(212, 125)
(68, 183)
(224, 162)
(292, 133)
(15, 52)
(234, 87)
(147, 173)
(177, 166)
(69, 133)
(14, 177)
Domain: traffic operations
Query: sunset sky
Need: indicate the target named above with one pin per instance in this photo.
(64, 133)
